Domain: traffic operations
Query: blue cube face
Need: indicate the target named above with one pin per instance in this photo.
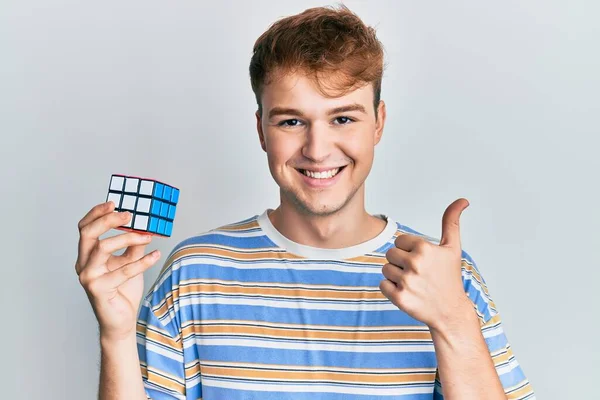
(152, 203)
(161, 226)
(174, 195)
(153, 224)
(172, 212)
(156, 206)
(158, 190)
(167, 193)
(164, 210)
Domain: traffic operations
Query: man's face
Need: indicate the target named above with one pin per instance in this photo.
(320, 149)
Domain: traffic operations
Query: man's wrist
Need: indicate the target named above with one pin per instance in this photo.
(108, 342)
(462, 321)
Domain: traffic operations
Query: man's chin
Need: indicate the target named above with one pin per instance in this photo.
(319, 208)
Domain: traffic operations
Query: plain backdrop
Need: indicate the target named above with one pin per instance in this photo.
(494, 102)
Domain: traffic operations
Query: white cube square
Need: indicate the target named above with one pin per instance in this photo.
(128, 202)
(146, 188)
(116, 183)
(131, 185)
(143, 205)
(115, 198)
(141, 222)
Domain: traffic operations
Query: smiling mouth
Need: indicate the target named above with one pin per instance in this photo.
(321, 175)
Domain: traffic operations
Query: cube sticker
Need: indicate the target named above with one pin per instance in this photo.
(152, 203)
(143, 205)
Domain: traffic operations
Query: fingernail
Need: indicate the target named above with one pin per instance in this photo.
(147, 238)
(125, 214)
(155, 254)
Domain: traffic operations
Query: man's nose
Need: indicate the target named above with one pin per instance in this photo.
(318, 143)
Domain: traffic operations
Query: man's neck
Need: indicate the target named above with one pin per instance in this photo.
(349, 226)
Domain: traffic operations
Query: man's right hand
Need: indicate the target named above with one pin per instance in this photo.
(114, 283)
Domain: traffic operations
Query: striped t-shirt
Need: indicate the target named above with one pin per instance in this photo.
(242, 312)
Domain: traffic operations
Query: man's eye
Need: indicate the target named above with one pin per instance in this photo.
(289, 122)
(344, 120)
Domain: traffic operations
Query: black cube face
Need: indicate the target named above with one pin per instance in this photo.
(151, 203)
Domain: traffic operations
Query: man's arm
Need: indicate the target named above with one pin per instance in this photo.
(425, 280)
(120, 375)
(465, 366)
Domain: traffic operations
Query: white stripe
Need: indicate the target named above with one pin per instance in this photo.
(159, 350)
(156, 388)
(278, 285)
(257, 232)
(289, 388)
(194, 381)
(307, 346)
(278, 264)
(335, 328)
(493, 332)
(507, 368)
(468, 276)
(279, 338)
(297, 304)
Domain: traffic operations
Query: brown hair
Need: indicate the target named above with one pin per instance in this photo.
(322, 42)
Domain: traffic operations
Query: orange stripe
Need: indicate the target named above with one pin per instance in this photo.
(158, 337)
(230, 253)
(524, 391)
(503, 357)
(263, 331)
(161, 381)
(369, 260)
(233, 227)
(325, 294)
(317, 376)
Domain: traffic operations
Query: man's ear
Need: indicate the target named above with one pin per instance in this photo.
(261, 135)
(379, 124)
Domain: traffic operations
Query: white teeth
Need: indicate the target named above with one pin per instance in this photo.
(322, 175)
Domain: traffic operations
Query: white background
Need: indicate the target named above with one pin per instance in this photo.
(495, 102)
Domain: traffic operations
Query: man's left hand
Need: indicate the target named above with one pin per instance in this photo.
(424, 279)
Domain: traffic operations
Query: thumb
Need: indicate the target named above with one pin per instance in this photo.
(451, 223)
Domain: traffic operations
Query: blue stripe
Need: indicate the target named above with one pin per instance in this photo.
(220, 393)
(341, 359)
(292, 316)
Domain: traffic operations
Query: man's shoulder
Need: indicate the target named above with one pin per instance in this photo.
(241, 233)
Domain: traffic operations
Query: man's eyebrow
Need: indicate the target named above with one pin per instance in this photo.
(292, 111)
(284, 111)
(348, 108)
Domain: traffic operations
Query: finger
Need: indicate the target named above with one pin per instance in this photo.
(407, 241)
(86, 243)
(392, 272)
(96, 212)
(398, 257)
(388, 288)
(116, 278)
(132, 253)
(93, 230)
(106, 247)
(451, 223)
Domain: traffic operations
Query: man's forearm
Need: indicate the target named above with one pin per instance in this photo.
(465, 366)
(120, 374)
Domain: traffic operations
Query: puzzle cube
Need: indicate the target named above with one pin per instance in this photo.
(151, 203)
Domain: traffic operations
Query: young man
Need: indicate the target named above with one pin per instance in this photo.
(316, 299)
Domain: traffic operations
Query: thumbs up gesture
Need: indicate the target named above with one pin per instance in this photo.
(424, 279)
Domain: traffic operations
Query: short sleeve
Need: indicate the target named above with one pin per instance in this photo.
(513, 379)
(160, 341)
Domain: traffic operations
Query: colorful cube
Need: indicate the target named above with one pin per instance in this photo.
(151, 203)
